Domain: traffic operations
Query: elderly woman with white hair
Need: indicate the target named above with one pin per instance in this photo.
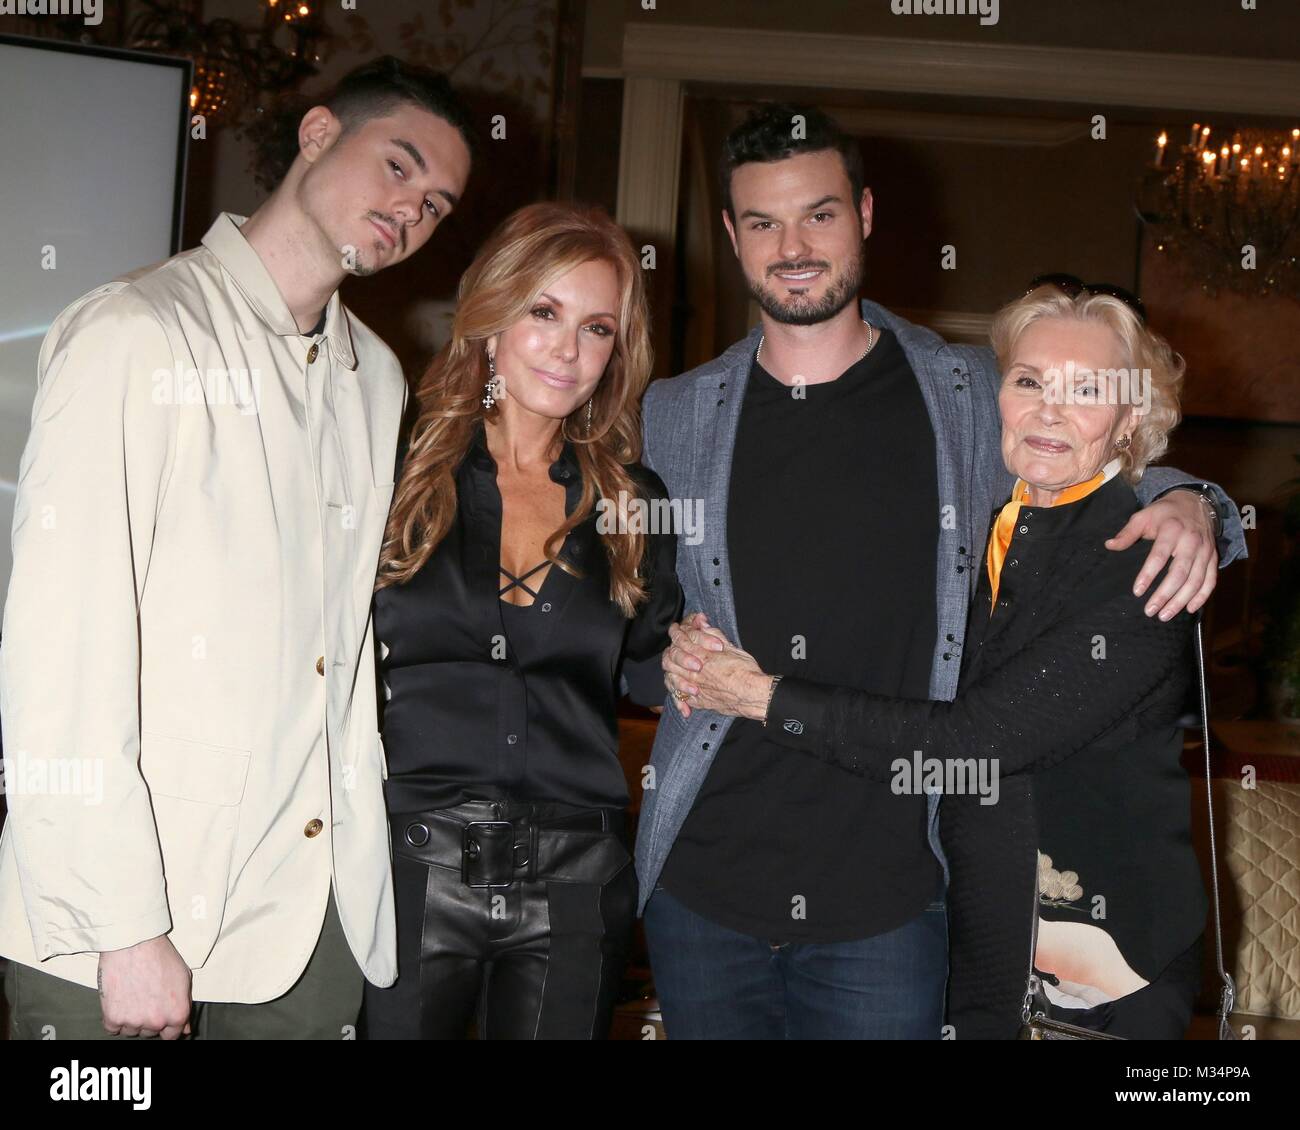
(1068, 706)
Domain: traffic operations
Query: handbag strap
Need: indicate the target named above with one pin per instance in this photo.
(1228, 989)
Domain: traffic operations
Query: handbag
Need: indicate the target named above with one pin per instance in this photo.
(1036, 1024)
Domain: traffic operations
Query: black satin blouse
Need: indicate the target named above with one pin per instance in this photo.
(468, 714)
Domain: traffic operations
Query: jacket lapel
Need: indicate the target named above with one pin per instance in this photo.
(719, 397)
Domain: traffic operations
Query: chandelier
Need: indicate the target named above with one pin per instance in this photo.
(233, 64)
(1227, 207)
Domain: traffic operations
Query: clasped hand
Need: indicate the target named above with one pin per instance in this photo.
(705, 671)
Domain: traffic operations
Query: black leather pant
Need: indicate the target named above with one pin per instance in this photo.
(513, 915)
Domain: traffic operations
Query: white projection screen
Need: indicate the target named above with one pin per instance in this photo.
(92, 173)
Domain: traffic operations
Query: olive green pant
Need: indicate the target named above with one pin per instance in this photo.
(322, 1005)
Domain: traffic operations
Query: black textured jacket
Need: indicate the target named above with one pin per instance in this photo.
(1076, 693)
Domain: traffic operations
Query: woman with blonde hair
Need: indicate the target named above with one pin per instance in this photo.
(1060, 756)
(514, 581)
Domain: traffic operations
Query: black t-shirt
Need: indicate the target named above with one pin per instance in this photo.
(832, 526)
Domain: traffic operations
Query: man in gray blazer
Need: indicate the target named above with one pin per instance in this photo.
(848, 462)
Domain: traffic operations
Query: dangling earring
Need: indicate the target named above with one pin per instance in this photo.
(1123, 442)
(490, 387)
(589, 416)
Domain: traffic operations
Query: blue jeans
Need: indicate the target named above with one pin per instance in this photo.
(716, 984)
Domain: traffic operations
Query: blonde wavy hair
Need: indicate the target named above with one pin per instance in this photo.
(1144, 350)
(532, 248)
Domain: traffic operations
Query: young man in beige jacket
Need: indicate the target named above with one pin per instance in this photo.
(192, 763)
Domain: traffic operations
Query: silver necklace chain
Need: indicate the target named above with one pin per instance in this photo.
(871, 341)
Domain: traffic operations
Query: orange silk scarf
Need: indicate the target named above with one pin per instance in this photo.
(1000, 541)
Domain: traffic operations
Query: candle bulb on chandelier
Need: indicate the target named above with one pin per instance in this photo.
(1220, 188)
(1161, 142)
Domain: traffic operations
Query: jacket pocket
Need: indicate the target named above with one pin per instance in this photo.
(178, 767)
(196, 790)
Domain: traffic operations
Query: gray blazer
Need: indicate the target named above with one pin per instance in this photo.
(690, 434)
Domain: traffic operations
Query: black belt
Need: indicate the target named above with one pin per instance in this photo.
(495, 843)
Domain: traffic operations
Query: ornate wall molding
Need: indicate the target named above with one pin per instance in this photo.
(1143, 79)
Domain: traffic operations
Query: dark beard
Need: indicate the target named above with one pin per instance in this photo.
(841, 292)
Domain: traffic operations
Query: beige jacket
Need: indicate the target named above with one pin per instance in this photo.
(187, 676)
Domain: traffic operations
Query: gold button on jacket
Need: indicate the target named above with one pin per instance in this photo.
(193, 506)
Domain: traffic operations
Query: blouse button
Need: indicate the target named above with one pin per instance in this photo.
(511, 739)
(546, 607)
(716, 561)
(713, 725)
(948, 637)
(1024, 529)
(706, 745)
(1014, 562)
(312, 354)
(716, 581)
